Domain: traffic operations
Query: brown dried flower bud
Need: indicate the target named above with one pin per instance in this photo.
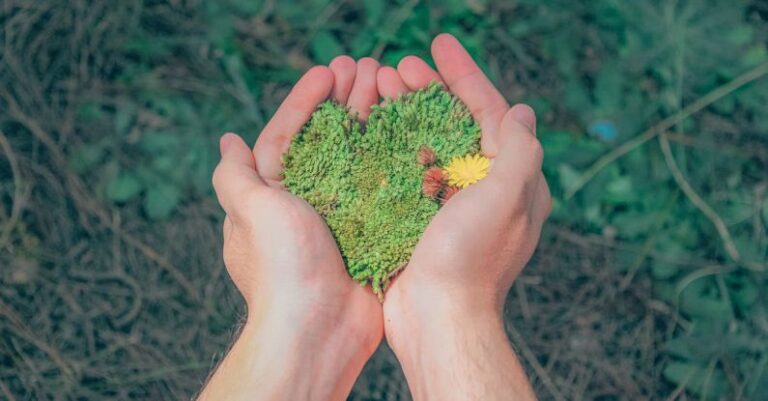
(426, 156)
(433, 182)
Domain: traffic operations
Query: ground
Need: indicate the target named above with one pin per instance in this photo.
(650, 279)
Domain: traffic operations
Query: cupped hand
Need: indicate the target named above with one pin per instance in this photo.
(480, 240)
(278, 250)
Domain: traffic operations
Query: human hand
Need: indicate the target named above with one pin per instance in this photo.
(310, 327)
(451, 294)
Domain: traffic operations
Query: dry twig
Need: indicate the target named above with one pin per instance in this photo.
(17, 190)
(697, 201)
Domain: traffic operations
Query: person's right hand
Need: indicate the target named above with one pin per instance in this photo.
(310, 328)
(453, 289)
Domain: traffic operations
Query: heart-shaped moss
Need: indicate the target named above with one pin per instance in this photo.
(372, 185)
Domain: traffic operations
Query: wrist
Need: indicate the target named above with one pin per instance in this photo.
(429, 314)
(304, 336)
(312, 321)
(286, 352)
(279, 362)
(450, 354)
(453, 349)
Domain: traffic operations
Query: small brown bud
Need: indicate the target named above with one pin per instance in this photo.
(426, 156)
(433, 182)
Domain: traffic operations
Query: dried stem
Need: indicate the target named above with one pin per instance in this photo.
(697, 201)
(17, 190)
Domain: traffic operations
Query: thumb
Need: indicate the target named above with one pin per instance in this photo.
(235, 175)
(520, 153)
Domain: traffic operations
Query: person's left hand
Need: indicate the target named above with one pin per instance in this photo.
(305, 313)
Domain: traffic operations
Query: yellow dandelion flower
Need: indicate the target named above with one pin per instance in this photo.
(464, 171)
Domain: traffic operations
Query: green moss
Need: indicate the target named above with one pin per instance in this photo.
(367, 185)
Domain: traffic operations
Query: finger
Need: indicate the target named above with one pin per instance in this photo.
(390, 83)
(525, 115)
(275, 138)
(465, 79)
(519, 114)
(520, 154)
(344, 68)
(416, 73)
(235, 174)
(364, 91)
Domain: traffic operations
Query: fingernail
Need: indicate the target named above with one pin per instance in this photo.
(524, 114)
(225, 142)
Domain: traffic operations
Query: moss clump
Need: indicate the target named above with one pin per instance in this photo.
(368, 185)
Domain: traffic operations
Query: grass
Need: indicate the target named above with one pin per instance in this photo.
(650, 280)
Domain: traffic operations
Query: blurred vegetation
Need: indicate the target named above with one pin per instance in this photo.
(650, 282)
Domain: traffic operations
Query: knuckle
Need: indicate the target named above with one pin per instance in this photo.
(268, 143)
(536, 150)
(244, 204)
(217, 176)
(227, 227)
(520, 210)
(495, 110)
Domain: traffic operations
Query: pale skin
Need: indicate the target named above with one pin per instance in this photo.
(309, 328)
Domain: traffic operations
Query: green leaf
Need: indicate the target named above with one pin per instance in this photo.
(568, 175)
(156, 142)
(744, 291)
(89, 110)
(556, 143)
(663, 271)
(726, 105)
(755, 55)
(702, 299)
(325, 47)
(681, 347)
(202, 162)
(166, 163)
(708, 383)
(632, 224)
(161, 201)
(123, 188)
(362, 45)
(619, 190)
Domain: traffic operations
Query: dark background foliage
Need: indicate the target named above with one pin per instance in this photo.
(650, 279)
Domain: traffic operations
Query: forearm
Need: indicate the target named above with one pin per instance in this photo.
(455, 355)
(270, 363)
